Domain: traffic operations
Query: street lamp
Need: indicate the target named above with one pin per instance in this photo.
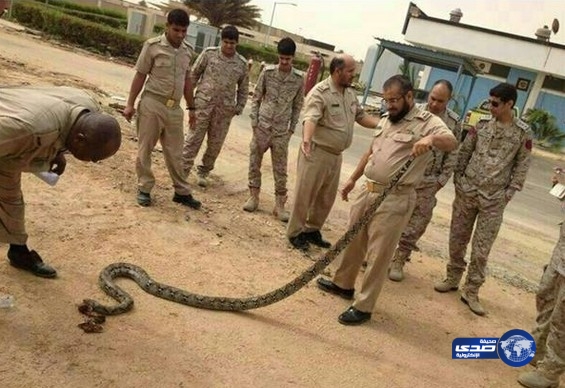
(273, 16)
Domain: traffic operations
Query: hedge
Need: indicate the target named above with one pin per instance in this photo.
(262, 54)
(85, 8)
(74, 30)
(96, 18)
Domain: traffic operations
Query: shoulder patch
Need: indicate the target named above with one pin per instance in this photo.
(522, 125)
(452, 115)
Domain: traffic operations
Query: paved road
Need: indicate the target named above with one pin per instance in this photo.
(533, 208)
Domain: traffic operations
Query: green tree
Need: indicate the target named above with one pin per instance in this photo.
(546, 132)
(220, 12)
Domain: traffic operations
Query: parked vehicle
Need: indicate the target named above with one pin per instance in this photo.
(473, 115)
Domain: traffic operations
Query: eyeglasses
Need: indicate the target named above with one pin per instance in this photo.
(393, 100)
(494, 104)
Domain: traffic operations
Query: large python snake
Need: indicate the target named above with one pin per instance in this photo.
(136, 273)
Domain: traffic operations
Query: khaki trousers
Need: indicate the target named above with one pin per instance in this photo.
(375, 243)
(12, 209)
(317, 181)
(156, 122)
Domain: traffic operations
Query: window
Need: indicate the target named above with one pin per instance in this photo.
(499, 70)
(554, 83)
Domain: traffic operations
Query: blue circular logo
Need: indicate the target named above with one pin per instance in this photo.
(516, 348)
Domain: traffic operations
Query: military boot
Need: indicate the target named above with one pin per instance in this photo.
(537, 379)
(253, 202)
(396, 269)
(202, 180)
(451, 283)
(471, 298)
(279, 211)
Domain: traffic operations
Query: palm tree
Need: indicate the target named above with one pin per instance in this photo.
(545, 129)
(220, 12)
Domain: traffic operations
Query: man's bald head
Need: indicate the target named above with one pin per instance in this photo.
(342, 70)
(94, 136)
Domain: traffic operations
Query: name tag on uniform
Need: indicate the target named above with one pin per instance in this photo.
(335, 105)
(170, 103)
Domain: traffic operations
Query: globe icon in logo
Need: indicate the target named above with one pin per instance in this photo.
(516, 348)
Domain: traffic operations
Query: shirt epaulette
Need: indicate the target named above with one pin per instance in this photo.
(522, 125)
(270, 67)
(188, 45)
(296, 72)
(322, 87)
(242, 58)
(424, 115)
(212, 48)
(154, 40)
(452, 115)
(485, 118)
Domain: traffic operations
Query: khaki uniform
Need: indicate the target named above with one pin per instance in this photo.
(276, 105)
(550, 302)
(436, 176)
(34, 126)
(222, 86)
(376, 242)
(492, 160)
(159, 115)
(334, 114)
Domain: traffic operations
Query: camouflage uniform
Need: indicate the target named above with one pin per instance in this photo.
(160, 117)
(436, 175)
(550, 302)
(492, 163)
(275, 109)
(222, 85)
(376, 242)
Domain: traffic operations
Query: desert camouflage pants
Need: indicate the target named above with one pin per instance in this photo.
(550, 302)
(213, 121)
(421, 217)
(278, 144)
(468, 208)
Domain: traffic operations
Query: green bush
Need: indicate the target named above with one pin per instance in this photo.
(96, 18)
(71, 29)
(85, 8)
(545, 129)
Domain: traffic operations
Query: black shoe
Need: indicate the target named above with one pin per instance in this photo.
(315, 238)
(299, 242)
(329, 286)
(32, 262)
(187, 200)
(352, 317)
(143, 199)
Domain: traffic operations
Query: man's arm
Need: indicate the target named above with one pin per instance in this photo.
(368, 121)
(522, 163)
(357, 173)
(313, 112)
(297, 104)
(449, 160)
(256, 99)
(198, 68)
(242, 92)
(135, 88)
(189, 97)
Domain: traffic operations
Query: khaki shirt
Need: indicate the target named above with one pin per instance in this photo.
(35, 123)
(221, 80)
(442, 163)
(166, 66)
(277, 100)
(494, 158)
(393, 143)
(334, 114)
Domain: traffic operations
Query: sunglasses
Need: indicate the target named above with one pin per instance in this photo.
(494, 104)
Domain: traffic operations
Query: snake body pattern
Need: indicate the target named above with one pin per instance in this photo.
(136, 273)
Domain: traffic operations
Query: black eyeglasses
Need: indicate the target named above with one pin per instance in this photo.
(494, 104)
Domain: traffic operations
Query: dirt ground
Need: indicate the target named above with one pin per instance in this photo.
(90, 219)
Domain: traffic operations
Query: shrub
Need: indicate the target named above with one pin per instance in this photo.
(97, 18)
(545, 129)
(71, 29)
(85, 8)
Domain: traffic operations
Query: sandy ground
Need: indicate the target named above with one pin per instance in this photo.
(90, 219)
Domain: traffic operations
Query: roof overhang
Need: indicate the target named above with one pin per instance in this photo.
(430, 57)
